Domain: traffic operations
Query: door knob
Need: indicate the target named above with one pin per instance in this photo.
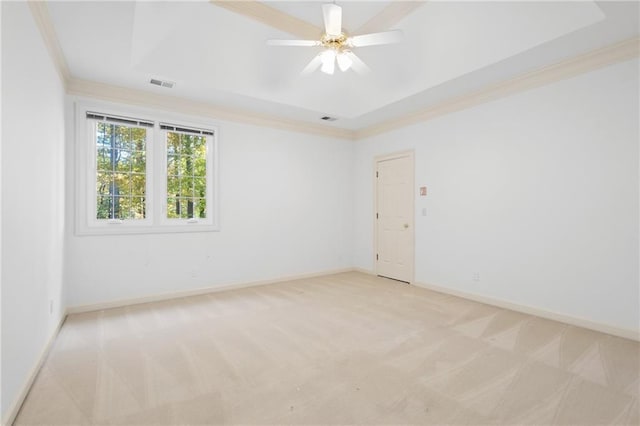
(406, 225)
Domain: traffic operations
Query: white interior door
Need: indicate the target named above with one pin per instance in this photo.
(394, 217)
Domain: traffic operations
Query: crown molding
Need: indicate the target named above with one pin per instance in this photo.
(393, 13)
(618, 52)
(136, 97)
(40, 13)
(271, 17)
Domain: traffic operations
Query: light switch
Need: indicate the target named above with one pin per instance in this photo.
(424, 211)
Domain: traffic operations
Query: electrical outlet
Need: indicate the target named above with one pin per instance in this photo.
(476, 276)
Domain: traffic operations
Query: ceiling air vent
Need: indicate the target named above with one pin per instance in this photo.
(327, 118)
(161, 83)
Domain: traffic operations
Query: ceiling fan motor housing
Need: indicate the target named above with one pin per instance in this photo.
(336, 42)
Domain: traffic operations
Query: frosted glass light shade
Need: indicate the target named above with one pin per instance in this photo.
(344, 62)
(328, 61)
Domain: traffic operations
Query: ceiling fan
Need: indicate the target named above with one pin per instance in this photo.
(338, 45)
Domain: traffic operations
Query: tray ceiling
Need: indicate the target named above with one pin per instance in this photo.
(219, 56)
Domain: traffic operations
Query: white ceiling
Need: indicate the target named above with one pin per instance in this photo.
(220, 57)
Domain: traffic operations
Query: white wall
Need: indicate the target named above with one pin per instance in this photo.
(538, 192)
(1, 117)
(285, 209)
(33, 196)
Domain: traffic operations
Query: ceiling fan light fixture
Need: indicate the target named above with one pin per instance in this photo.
(328, 68)
(328, 58)
(338, 44)
(344, 62)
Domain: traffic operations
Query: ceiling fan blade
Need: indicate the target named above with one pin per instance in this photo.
(293, 43)
(313, 65)
(356, 63)
(332, 19)
(386, 37)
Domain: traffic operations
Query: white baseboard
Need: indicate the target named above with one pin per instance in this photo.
(14, 409)
(195, 292)
(539, 312)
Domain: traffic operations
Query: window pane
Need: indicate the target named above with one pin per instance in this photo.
(200, 167)
(121, 185)
(121, 171)
(199, 187)
(103, 135)
(103, 181)
(173, 143)
(139, 162)
(172, 208)
(173, 186)
(138, 139)
(104, 159)
(137, 208)
(172, 165)
(138, 182)
(186, 144)
(123, 137)
(186, 186)
(124, 211)
(200, 144)
(124, 160)
(186, 171)
(103, 207)
(186, 208)
(200, 209)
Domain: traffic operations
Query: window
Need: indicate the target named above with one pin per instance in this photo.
(141, 174)
(121, 177)
(186, 172)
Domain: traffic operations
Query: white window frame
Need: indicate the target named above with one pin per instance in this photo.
(155, 220)
(210, 197)
(90, 179)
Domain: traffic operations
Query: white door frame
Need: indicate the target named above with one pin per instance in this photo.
(376, 160)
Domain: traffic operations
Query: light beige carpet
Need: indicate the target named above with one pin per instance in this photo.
(340, 349)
